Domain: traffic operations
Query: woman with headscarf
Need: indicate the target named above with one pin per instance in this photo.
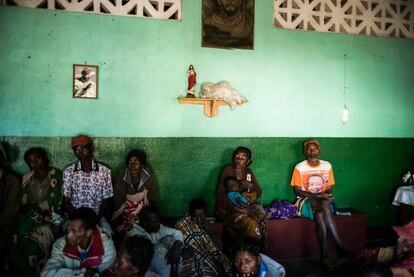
(135, 187)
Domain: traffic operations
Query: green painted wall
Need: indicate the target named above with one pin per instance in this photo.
(366, 170)
(293, 79)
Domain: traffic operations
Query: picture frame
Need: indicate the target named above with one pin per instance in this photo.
(228, 24)
(85, 81)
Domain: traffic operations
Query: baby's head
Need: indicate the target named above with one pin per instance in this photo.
(231, 184)
(315, 183)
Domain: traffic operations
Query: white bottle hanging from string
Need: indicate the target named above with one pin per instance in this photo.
(345, 109)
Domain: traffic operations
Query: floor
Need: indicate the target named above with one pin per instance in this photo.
(311, 267)
(304, 267)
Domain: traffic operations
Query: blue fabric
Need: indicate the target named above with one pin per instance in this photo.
(233, 195)
(83, 255)
(262, 270)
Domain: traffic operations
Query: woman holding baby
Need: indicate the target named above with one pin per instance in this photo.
(240, 221)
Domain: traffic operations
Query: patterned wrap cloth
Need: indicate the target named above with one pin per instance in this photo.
(208, 260)
(402, 265)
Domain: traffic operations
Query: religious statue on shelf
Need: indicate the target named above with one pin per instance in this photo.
(192, 81)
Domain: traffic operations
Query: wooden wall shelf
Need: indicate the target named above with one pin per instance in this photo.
(211, 106)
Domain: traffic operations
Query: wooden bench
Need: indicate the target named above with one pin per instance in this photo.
(298, 237)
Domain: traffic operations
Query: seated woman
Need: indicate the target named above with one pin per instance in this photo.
(203, 257)
(134, 188)
(247, 261)
(226, 212)
(39, 219)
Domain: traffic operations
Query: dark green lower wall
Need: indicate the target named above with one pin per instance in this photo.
(367, 170)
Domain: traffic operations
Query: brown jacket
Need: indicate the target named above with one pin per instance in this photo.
(122, 188)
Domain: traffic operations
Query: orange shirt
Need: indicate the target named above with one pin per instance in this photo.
(313, 179)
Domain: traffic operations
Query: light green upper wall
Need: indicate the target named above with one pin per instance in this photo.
(292, 79)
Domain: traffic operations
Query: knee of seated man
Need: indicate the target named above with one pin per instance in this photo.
(325, 204)
(321, 204)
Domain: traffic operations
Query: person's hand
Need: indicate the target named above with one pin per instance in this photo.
(139, 208)
(187, 253)
(33, 208)
(173, 255)
(406, 177)
(251, 209)
(47, 216)
(247, 211)
(110, 272)
(90, 272)
(246, 185)
(327, 196)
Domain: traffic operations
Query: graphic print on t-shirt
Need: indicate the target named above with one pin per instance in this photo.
(313, 179)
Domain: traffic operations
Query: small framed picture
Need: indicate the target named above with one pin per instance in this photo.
(85, 81)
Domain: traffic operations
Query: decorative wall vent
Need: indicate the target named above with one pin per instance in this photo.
(160, 9)
(390, 18)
